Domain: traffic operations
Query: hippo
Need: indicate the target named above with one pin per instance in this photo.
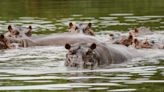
(3, 43)
(140, 31)
(81, 28)
(8, 43)
(22, 37)
(50, 40)
(97, 54)
(18, 32)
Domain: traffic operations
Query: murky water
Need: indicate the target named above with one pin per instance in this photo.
(42, 68)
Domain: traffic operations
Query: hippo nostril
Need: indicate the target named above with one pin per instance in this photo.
(75, 64)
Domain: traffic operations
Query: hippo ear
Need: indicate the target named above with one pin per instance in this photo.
(93, 46)
(89, 25)
(9, 27)
(70, 24)
(67, 46)
(30, 27)
(2, 36)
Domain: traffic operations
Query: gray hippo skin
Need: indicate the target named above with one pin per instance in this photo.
(51, 40)
(62, 39)
(2, 45)
(93, 54)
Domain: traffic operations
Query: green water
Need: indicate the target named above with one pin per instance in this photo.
(138, 12)
(90, 8)
(41, 69)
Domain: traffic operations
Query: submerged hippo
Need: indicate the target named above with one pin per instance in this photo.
(51, 40)
(93, 54)
(81, 28)
(3, 42)
(18, 32)
(7, 43)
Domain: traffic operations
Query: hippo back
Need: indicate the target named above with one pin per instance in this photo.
(113, 54)
(52, 40)
(62, 39)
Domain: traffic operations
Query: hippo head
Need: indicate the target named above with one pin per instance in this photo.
(80, 55)
(81, 28)
(85, 28)
(15, 31)
(2, 45)
(3, 42)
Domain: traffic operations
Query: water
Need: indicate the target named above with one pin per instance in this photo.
(42, 68)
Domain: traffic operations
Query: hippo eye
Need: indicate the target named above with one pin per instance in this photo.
(88, 52)
(76, 28)
(72, 52)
